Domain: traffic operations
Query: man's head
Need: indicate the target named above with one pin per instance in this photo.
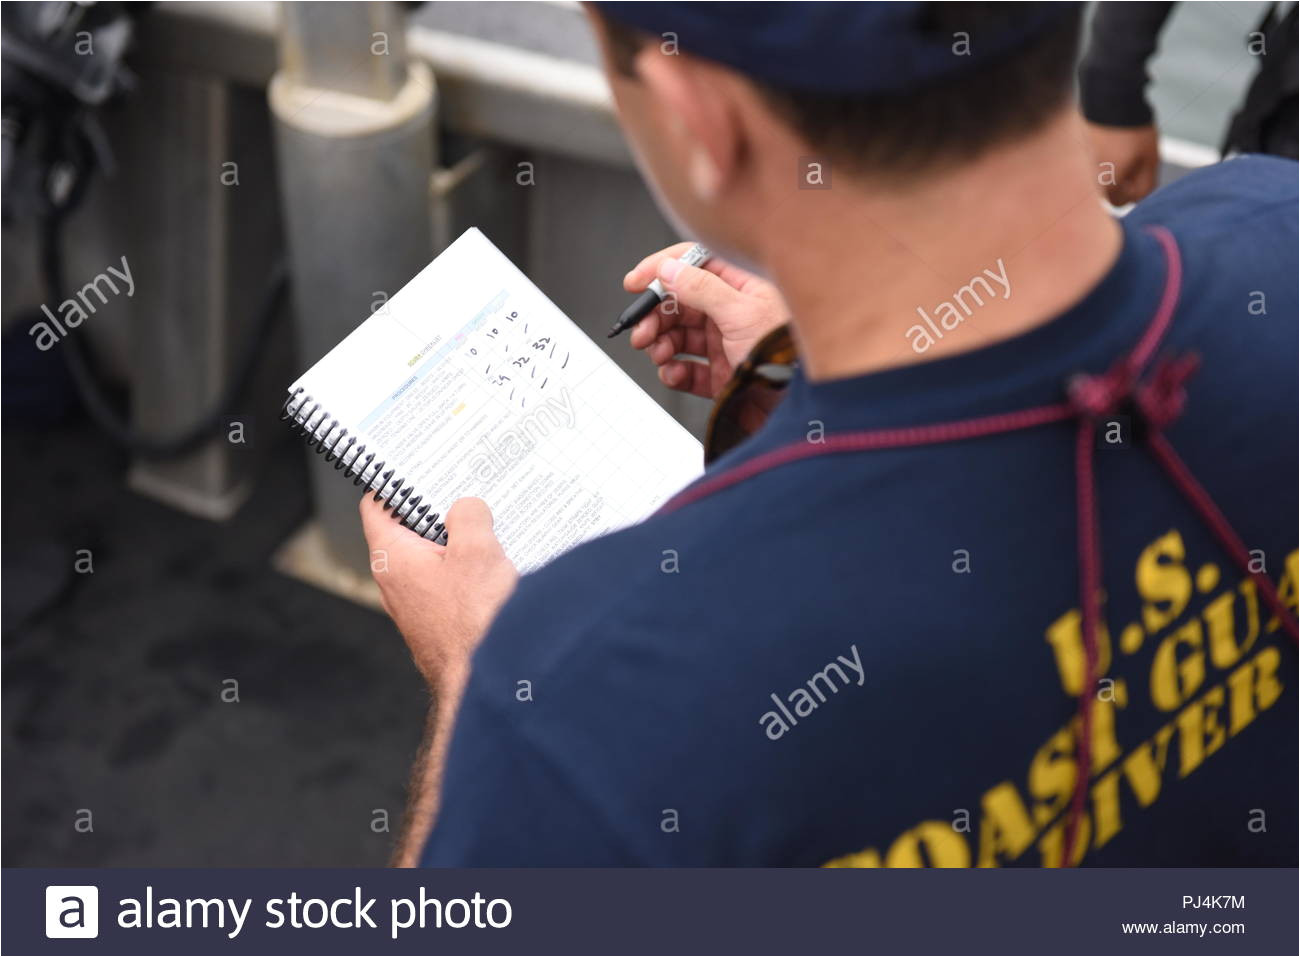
(721, 102)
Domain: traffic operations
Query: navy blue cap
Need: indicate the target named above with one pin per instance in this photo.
(834, 47)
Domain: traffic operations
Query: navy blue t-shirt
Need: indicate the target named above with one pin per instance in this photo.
(867, 658)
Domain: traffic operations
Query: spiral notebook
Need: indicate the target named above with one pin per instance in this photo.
(469, 381)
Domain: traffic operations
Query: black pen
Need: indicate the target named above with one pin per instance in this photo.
(645, 303)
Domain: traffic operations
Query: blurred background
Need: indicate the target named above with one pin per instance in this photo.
(194, 671)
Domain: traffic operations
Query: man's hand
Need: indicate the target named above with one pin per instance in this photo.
(717, 313)
(442, 598)
(1135, 153)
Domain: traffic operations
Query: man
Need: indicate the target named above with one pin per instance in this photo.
(860, 639)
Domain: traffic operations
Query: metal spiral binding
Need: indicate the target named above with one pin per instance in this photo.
(324, 436)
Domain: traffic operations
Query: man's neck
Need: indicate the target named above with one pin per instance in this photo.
(879, 278)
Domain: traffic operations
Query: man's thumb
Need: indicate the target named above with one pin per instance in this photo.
(695, 287)
(469, 526)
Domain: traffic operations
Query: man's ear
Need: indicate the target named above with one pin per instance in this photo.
(696, 114)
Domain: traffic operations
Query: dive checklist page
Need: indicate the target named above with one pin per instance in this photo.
(469, 381)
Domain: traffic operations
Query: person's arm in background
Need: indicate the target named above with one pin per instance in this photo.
(1112, 89)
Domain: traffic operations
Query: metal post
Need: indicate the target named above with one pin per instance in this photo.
(201, 240)
(355, 144)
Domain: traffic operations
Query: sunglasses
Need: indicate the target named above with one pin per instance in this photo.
(753, 391)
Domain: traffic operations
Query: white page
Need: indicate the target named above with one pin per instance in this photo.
(469, 381)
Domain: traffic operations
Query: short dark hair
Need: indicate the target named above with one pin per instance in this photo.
(939, 125)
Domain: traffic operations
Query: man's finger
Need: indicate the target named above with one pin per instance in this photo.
(694, 342)
(666, 346)
(675, 342)
(646, 331)
(683, 376)
(675, 375)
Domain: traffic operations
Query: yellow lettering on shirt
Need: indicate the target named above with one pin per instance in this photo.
(1162, 581)
(1145, 766)
(1199, 732)
(1224, 633)
(942, 845)
(1051, 776)
(1005, 828)
(1052, 844)
(1175, 678)
(1253, 686)
(1288, 588)
(1267, 687)
(1065, 635)
(868, 858)
(1105, 807)
(1220, 625)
